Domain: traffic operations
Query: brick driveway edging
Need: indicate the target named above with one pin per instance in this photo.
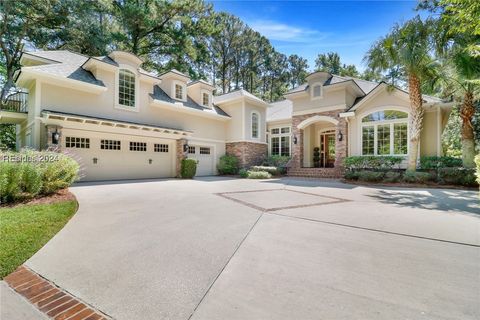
(51, 300)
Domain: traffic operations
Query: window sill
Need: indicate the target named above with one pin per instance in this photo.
(125, 108)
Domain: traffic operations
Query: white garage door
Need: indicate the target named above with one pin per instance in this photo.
(204, 156)
(114, 157)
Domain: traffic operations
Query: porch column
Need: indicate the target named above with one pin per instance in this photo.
(341, 146)
(181, 154)
(297, 150)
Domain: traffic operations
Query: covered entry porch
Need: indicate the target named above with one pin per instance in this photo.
(320, 145)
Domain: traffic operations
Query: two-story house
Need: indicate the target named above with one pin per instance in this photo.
(122, 122)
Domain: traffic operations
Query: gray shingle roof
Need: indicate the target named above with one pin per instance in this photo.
(159, 94)
(279, 110)
(69, 66)
(364, 85)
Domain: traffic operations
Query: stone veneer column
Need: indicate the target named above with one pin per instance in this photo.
(180, 155)
(248, 153)
(340, 146)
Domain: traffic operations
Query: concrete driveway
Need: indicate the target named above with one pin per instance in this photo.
(286, 249)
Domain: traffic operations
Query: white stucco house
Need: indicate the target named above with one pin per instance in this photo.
(123, 122)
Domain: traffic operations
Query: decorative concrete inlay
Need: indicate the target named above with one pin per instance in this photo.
(51, 300)
(279, 199)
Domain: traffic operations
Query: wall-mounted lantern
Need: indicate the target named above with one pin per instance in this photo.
(55, 136)
(185, 147)
(340, 136)
(95, 160)
(294, 139)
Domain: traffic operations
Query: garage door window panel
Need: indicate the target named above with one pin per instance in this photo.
(76, 142)
(204, 150)
(138, 146)
(110, 144)
(159, 147)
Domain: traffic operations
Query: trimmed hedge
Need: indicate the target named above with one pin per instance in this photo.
(434, 162)
(370, 176)
(417, 177)
(372, 162)
(258, 175)
(228, 164)
(457, 176)
(189, 168)
(271, 170)
(28, 173)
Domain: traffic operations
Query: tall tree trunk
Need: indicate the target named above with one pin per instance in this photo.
(467, 111)
(416, 120)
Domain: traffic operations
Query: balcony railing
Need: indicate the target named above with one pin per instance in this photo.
(15, 102)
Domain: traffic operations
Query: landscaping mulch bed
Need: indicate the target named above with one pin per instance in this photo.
(61, 195)
(408, 185)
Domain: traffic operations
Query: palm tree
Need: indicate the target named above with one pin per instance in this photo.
(407, 49)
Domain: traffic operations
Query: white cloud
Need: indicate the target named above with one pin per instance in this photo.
(282, 32)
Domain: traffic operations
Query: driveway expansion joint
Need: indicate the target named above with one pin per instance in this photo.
(53, 301)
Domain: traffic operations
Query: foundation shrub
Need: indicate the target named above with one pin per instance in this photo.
(258, 175)
(188, 168)
(272, 170)
(457, 176)
(417, 177)
(228, 164)
(243, 173)
(370, 176)
(392, 176)
(435, 162)
(372, 162)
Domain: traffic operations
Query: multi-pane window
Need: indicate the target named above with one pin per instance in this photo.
(126, 88)
(110, 144)
(160, 147)
(368, 140)
(280, 141)
(400, 141)
(191, 149)
(255, 125)
(385, 133)
(205, 99)
(204, 150)
(74, 142)
(138, 146)
(178, 91)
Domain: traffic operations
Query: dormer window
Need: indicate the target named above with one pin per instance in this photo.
(178, 92)
(205, 99)
(317, 91)
(126, 88)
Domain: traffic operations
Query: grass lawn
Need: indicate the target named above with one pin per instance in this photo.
(26, 228)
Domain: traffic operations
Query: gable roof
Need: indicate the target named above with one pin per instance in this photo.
(280, 110)
(65, 64)
(236, 94)
(363, 85)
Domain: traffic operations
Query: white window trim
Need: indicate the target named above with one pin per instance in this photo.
(117, 105)
(258, 125)
(375, 125)
(184, 90)
(280, 135)
(203, 91)
(312, 91)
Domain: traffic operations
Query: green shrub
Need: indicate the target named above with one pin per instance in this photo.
(271, 170)
(29, 173)
(351, 175)
(189, 168)
(434, 162)
(258, 175)
(417, 177)
(372, 162)
(457, 176)
(280, 162)
(392, 176)
(370, 176)
(243, 173)
(228, 164)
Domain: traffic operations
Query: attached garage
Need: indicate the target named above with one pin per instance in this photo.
(105, 156)
(205, 157)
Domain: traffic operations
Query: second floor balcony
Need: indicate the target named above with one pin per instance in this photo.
(14, 109)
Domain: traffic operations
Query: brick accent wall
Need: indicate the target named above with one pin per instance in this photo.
(180, 155)
(248, 153)
(340, 146)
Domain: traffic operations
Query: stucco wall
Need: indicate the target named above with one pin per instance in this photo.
(331, 97)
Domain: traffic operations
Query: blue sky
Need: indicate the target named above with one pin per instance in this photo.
(307, 28)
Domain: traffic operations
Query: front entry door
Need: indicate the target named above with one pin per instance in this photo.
(327, 150)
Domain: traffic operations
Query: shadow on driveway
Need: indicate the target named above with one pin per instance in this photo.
(433, 199)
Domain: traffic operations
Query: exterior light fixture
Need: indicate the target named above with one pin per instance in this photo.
(150, 161)
(185, 147)
(55, 136)
(294, 139)
(95, 160)
(340, 136)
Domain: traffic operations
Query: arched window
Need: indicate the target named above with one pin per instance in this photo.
(385, 133)
(255, 125)
(126, 88)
